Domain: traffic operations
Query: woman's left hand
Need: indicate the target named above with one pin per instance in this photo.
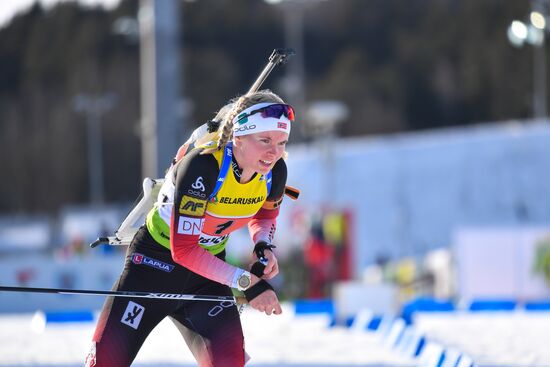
(272, 267)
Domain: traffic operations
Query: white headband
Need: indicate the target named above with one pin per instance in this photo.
(257, 124)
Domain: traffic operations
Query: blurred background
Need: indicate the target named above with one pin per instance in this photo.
(421, 146)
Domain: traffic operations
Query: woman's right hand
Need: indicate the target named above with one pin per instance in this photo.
(266, 301)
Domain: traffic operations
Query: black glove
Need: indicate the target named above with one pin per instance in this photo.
(258, 270)
(257, 289)
(260, 248)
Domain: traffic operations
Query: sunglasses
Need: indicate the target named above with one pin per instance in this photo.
(273, 111)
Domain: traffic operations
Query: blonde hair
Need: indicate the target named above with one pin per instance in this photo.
(228, 112)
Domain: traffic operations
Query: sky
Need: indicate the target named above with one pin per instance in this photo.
(10, 8)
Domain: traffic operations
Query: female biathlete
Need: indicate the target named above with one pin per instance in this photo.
(237, 178)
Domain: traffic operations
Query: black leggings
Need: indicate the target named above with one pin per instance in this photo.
(212, 330)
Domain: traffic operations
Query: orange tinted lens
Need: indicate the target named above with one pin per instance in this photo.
(290, 112)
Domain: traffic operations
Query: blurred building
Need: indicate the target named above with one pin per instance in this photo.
(412, 193)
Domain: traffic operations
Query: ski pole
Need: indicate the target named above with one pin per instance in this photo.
(154, 295)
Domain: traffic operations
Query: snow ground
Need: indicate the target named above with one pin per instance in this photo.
(491, 339)
(285, 340)
(510, 339)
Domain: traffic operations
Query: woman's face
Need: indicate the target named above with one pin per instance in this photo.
(259, 152)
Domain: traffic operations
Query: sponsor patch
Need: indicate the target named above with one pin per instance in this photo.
(196, 193)
(192, 206)
(190, 226)
(198, 185)
(132, 315)
(207, 240)
(241, 201)
(140, 259)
